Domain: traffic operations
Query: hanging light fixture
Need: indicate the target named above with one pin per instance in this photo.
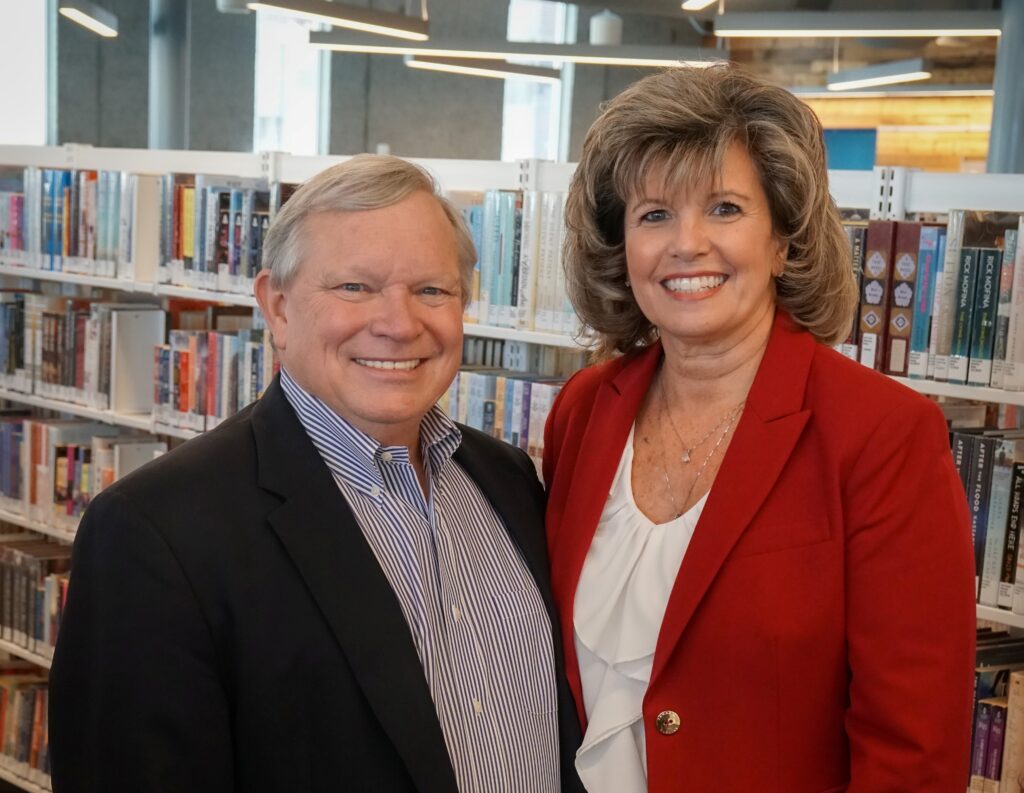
(91, 16)
(629, 55)
(858, 24)
(478, 67)
(343, 15)
(890, 73)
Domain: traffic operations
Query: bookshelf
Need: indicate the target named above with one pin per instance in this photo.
(20, 782)
(887, 193)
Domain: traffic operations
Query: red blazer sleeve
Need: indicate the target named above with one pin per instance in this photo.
(911, 669)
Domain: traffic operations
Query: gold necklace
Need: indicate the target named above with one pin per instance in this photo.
(729, 420)
(688, 451)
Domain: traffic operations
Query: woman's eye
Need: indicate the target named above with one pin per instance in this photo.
(726, 208)
(654, 216)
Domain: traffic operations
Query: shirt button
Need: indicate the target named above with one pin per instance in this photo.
(457, 613)
(375, 491)
(386, 457)
(478, 705)
(667, 722)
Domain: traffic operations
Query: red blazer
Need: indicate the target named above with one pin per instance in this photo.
(820, 633)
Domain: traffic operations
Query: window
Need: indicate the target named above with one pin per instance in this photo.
(23, 52)
(535, 118)
(292, 108)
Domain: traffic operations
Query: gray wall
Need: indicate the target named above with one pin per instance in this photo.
(103, 85)
(378, 99)
(222, 79)
(597, 84)
(102, 88)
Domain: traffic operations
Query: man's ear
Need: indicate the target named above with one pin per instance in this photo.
(273, 304)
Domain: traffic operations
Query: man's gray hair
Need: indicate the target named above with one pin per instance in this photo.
(367, 181)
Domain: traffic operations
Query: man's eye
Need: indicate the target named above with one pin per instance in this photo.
(350, 287)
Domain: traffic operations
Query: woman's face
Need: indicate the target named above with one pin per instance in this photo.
(701, 262)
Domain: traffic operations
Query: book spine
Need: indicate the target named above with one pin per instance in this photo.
(985, 307)
(924, 297)
(875, 292)
(1013, 374)
(978, 488)
(1003, 308)
(1008, 570)
(996, 734)
(960, 345)
(995, 532)
(901, 297)
(948, 295)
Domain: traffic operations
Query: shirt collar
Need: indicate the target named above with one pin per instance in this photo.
(354, 456)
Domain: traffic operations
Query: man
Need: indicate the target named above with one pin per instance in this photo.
(338, 589)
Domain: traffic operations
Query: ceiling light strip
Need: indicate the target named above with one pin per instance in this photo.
(860, 24)
(365, 20)
(91, 16)
(482, 68)
(502, 50)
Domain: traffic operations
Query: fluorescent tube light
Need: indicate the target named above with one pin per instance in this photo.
(817, 92)
(891, 73)
(696, 5)
(343, 15)
(653, 57)
(483, 68)
(91, 16)
(859, 24)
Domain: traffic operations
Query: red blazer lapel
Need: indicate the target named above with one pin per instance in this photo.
(765, 437)
(599, 443)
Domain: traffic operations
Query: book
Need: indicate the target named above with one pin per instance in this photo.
(906, 251)
(881, 235)
(1003, 311)
(984, 321)
(1012, 773)
(923, 300)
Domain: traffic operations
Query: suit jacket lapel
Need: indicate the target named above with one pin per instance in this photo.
(325, 543)
(765, 437)
(615, 407)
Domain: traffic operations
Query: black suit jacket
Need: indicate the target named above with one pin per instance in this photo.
(229, 629)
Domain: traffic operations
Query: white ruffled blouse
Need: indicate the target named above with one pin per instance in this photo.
(623, 590)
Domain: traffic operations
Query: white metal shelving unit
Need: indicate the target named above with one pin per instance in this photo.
(23, 653)
(20, 782)
(889, 193)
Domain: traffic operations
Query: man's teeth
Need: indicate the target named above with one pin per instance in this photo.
(375, 364)
(698, 284)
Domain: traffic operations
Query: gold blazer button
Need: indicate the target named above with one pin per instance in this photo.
(667, 722)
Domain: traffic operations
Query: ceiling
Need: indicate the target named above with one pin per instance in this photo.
(806, 62)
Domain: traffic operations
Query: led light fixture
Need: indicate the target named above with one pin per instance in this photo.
(483, 68)
(91, 16)
(929, 90)
(890, 73)
(696, 5)
(858, 24)
(339, 41)
(343, 15)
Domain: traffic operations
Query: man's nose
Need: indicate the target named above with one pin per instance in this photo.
(396, 314)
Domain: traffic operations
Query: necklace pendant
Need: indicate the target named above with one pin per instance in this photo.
(685, 456)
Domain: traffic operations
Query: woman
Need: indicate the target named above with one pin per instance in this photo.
(760, 549)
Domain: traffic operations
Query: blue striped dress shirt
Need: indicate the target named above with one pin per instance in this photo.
(474, 613)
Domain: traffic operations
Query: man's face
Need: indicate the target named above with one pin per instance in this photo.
(371, 323)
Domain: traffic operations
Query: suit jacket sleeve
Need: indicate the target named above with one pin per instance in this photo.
(136, 699)
(911, 667)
